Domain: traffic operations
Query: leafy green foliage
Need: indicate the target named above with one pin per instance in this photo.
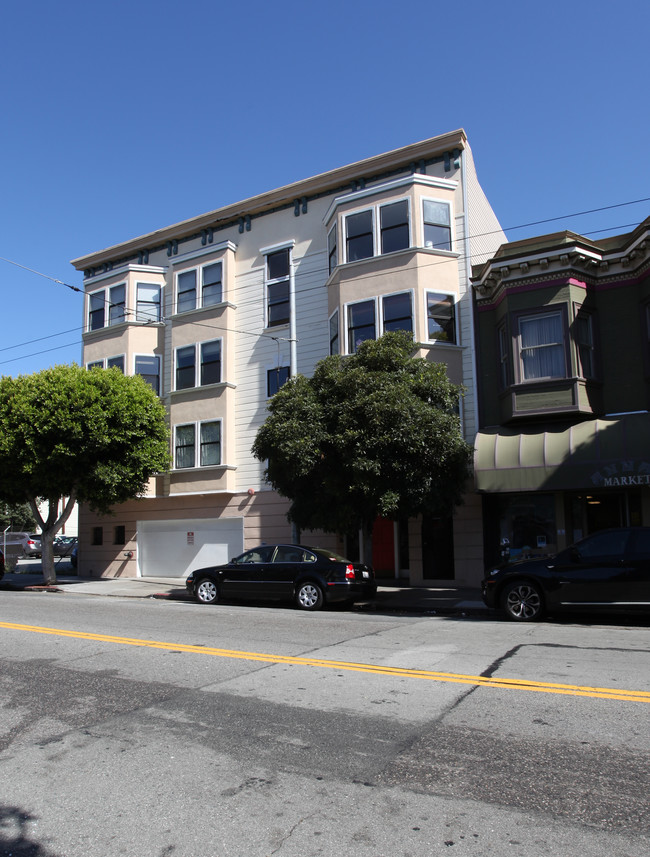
(376, 433)
(96, 434)
(93, 436)
(17, 517)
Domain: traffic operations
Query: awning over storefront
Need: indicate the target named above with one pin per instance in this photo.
(601, 453)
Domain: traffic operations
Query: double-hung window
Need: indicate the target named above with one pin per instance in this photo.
(362, 323)
(209, 365)
(278, 267)
(441, 317)
(437, 224)
(148, 303)
(397, 312)
(96, 305)
(148, 367)
(541, 346)
(204, 438)
(186, 291)
(210, 362)
(211, 284)
(394, 226)
(117, 304)
(359, 236)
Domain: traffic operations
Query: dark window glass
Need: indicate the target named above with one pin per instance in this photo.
(185, 443)
(278, 264)
(278, 297)
(275, 378)
(117, 298)
(585, 340)
(148, 366)
(117, 362)
(332, 249)
(334, 333)
(504, 362)
(397, 312)
(361, 324)
(210, 443)
(97, 537)
(394, 221)
(441, 317)
(119, 535)
(186, 291)
(604, 544)
(437, 225)
(359, 236)
(212, 293)
(96, 311)
(211, 362)
(185, 370)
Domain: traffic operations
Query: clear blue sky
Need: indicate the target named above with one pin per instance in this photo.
(120, 118)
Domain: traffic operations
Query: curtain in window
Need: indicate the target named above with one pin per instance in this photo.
(185, 446)
(542, 347)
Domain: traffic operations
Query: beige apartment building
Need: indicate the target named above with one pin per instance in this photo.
(218, 311)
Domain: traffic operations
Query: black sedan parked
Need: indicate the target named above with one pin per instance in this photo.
(609, 570)
(309, 576)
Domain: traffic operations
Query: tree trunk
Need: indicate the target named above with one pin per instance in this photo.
(49, 528)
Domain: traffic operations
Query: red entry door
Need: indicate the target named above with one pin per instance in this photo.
(383, 548)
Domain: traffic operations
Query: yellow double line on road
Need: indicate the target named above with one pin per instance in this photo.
(375, 669)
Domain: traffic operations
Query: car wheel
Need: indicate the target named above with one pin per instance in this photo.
(309, 596)
(206, 591)
(522, 601)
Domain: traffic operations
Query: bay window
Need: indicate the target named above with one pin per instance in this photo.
(437, 224)
(541, 347)
(441, 317)
(361, 324)
(208, 435)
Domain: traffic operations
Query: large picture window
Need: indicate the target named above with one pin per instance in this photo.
(541, 347)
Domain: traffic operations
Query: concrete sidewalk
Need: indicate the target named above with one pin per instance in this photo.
(392, 597)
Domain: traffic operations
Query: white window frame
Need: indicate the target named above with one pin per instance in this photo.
(197, 426)
(411, 295)
(452, 237)
(534, 316)
(101, 294)
(199, 274)
(198, 363)
(110, 305)
(156, 357)
(454, 303)
(274, 281)
(138, 317)
(409, 224)
(348, 214)
(333, 248)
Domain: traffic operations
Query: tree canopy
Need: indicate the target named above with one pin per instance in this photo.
(90, 436)
(373, 434)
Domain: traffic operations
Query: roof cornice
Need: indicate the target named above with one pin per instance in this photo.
(281, 196)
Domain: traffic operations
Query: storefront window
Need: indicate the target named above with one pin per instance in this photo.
(527, 525)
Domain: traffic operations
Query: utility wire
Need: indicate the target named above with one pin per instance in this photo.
(128, 311)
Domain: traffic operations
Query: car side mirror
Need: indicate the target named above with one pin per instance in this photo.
(574, 555)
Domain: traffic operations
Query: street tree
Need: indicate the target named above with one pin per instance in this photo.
(68, 434)
(373, 434)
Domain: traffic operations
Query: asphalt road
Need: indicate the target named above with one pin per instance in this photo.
(167, 729)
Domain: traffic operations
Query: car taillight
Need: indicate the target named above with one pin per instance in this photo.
(349, 572)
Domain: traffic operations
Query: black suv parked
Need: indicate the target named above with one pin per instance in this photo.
(609, 570)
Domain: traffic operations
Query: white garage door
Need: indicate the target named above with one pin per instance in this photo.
(174, 548)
